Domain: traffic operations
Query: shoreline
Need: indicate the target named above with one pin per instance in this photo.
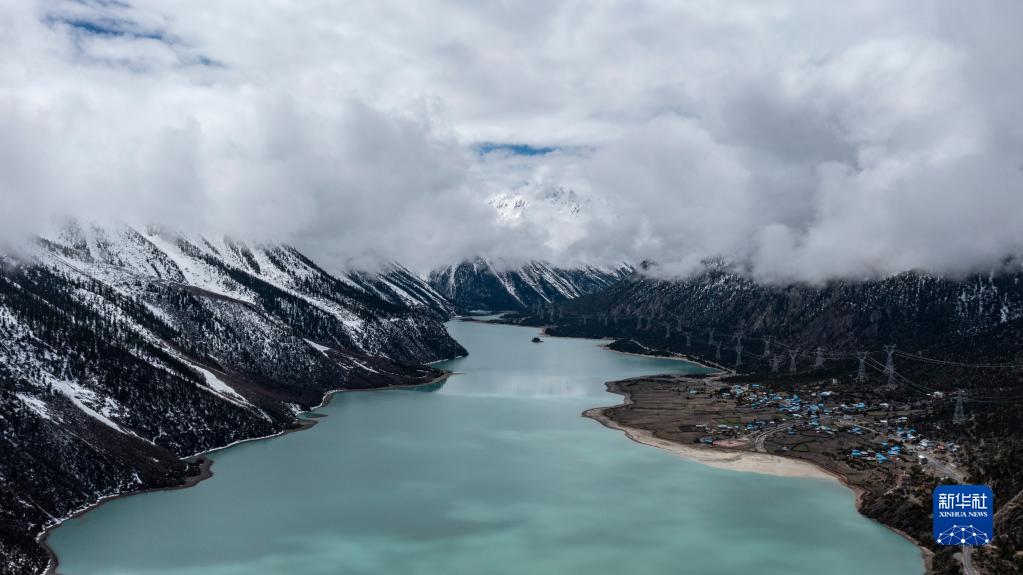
(205, 472)
(205, 467)
(745, 462)
(717, 371)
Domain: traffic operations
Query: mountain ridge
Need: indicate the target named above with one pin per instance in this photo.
(125, 351)
(906, 307)
(480, 284)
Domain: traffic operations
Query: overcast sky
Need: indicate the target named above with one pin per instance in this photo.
(807, 140)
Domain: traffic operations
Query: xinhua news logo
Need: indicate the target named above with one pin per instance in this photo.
(963, 514)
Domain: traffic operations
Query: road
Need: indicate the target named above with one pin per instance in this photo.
(965, 557)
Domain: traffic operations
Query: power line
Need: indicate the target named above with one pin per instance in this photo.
(768, 340)
(923, 359)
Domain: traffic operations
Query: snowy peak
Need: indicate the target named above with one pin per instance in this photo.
(544, 204)
(480, 284)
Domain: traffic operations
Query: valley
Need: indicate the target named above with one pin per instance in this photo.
(198, 315)
(551, 288)
(492, 471)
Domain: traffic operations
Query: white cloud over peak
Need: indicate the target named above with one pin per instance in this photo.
(806, 140)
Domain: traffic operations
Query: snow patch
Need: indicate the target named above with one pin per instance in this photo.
(362, 365)
(220, 387)
(81, 397)
(35, 404)
(320, 348)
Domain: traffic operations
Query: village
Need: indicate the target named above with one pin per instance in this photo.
(848, 430)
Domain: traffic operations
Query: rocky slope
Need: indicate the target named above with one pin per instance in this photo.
(125, 350)
(480, 284)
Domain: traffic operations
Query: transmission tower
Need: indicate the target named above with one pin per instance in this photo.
(767, 345)
(775, 363)
(889, 364)
(711, 339)
(667, 330)
(818, 360)
(688, 338)
(861, 372)
(717, 351)
(738, 348)
(792, 360)
(960, 413)
(892, 384)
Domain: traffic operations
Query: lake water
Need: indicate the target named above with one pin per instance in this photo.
(493, 472)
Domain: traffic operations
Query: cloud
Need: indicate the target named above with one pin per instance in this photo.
(800, 140)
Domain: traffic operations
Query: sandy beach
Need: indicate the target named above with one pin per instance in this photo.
(721, 458)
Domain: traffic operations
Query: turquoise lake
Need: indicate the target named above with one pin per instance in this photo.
(493, 472)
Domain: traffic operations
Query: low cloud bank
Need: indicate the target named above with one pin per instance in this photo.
(803, 142)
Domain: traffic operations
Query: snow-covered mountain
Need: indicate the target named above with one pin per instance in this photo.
(124, 350)
(479, 284)
(542, 204)
(397, 284)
